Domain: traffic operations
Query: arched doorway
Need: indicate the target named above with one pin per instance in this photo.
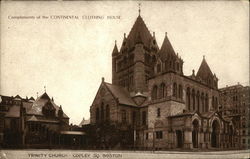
(195, 133)
(179, 136)
(215, 134)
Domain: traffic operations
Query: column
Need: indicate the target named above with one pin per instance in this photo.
(201, 140)
(188, 139)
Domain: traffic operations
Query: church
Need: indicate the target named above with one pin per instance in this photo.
(152, 105)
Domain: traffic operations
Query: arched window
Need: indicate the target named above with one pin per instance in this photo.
(216, 103)
(206, 103)
(144, 118)
(193, 99)
(198, 101)
(107, 113)
(180, 92)
(175, 90)
(170, 64)
(188, 98)
(97, 114)
(166, 65)
(154, 92)
(202, 102)
(124, 119)
(158, 68)
(213, 102)
(102, 112)
(158, 112)
(162, 90)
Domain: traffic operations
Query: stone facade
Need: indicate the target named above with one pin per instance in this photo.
(235, 104)
(155, 103)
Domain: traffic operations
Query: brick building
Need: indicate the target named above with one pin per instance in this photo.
(35, 123)
(151, 104)
(235, 104)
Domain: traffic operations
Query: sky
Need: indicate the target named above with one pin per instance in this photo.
(70, 56)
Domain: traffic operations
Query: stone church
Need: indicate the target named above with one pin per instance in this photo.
(151, 104)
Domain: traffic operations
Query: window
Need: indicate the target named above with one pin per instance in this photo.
(158, 112)
(213, 102)
(198, 101)
(13, 124)
(243, 124)
(154, 92)
(158, 68)
(134, 117)
(102, 112)
(107, 113)
(124, 116)
(206, 103)
(180, 91)
(166, 65)
(193, 99)
(243, 141)
(188, 98)
(175, 90)
(146, 136)
(144, 118)
(158, 134)
(202, 102)
(178, 66)
(162, 90)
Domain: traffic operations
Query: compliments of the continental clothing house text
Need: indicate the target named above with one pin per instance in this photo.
(65, 17)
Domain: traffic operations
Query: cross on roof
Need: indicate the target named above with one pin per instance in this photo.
(139, 5)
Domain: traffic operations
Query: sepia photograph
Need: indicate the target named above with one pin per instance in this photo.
(124, 79)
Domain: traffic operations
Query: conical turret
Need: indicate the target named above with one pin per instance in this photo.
(115, 50)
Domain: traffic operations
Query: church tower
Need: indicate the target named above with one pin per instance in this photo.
(134, 63)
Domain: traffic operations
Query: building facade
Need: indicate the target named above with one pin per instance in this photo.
(35, 123)
(235, 104)
(151, 104)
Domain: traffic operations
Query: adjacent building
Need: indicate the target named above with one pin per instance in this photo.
(235, 104)
(36, 123)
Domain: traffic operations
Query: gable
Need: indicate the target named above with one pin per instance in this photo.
(103, 95)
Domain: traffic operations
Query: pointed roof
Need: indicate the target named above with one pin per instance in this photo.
(45, 96)
(204, 71)
(40, 102)
(17, 96)
(139, 29)
(115, 50)
(121, 94)
(31, 98)
(166, 49)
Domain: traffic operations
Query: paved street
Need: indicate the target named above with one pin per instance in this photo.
(84, 154)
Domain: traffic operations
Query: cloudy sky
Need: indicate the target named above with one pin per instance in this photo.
(69, 56)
